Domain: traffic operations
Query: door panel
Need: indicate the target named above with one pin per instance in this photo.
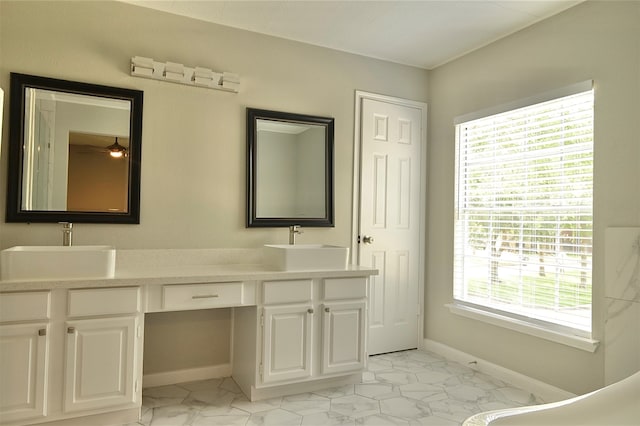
(23, 371)
(100, 363)
(379, 191)
(343, 337)
(287, 343)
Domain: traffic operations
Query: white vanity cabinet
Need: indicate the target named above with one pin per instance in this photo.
(194, 296)
(24, 354)
(287, 330)
(304, 334)
(99, 363)
(343, 324)
(69, 353)
(343, 337)
(287, 343)
(102, 340)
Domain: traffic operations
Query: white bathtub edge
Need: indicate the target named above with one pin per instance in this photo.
(544, 391)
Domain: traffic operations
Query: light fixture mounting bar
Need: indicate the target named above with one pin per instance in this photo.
(177, 73)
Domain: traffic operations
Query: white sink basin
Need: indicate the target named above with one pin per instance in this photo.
(305, 257)
(57, 262)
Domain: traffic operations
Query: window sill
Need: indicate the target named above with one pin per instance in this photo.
(577, 342)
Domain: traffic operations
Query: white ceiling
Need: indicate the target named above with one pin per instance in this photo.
(422, 33)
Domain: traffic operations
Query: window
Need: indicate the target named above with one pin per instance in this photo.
(524, 212)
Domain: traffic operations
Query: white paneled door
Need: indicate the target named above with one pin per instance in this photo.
(24, 360)
(100, 363)
(343, 336)
(390, 216)
(287, 342)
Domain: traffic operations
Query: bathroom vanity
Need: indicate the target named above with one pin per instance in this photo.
(72, 349)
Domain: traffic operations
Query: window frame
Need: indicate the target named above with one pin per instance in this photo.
(547, 329)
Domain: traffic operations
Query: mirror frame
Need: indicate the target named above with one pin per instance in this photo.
(14, 211)
(253, 115)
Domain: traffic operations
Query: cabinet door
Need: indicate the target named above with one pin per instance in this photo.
(286, 349)
(24, 360)
(343, 327)
(100, 367)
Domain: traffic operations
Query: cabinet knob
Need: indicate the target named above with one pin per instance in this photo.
(310, 310)
(327, 309)
(42, 332)
(71, 330)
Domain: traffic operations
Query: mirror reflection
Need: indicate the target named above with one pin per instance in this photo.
(290, 169)
(67, 165)
(74, 152)
(98, 173)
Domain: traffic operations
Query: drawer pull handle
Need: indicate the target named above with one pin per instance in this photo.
(42, 332)
(310, 310)
(327, 309)
(205, 296)
(71, 330)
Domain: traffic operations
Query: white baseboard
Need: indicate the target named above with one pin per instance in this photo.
(544, 391)
(187, 375)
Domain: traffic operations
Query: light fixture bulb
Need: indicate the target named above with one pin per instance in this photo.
(116, 150)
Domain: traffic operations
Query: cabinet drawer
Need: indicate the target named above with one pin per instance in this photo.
(104, 301)
(201, 296)
(291, 291)
(345, 288)
(24, 306)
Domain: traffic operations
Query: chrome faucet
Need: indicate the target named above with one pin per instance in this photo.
(293, 230)
(67, 233)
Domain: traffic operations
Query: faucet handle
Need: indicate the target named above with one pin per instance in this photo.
(293, 230)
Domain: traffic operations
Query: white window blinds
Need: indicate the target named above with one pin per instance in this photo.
(524, 207)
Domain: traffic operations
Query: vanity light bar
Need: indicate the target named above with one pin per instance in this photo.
(178, 73)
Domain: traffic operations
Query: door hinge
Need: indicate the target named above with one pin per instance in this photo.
(262, 320)
(136, 387)
(138, 332)
(261, 371)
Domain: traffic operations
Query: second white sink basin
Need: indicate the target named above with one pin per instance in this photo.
(306, 257)
(57, 262)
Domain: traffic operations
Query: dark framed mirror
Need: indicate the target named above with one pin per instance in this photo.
(74, 152)
(289, 169)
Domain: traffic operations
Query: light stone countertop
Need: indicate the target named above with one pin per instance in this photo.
(158, 267)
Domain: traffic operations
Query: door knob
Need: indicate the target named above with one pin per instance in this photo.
(367, 239)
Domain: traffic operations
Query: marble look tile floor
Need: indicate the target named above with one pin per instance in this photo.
(403, 388)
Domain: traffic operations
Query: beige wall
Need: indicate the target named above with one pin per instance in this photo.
(595, 40)
(194, 146)
(177, 340)
(193, 142)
